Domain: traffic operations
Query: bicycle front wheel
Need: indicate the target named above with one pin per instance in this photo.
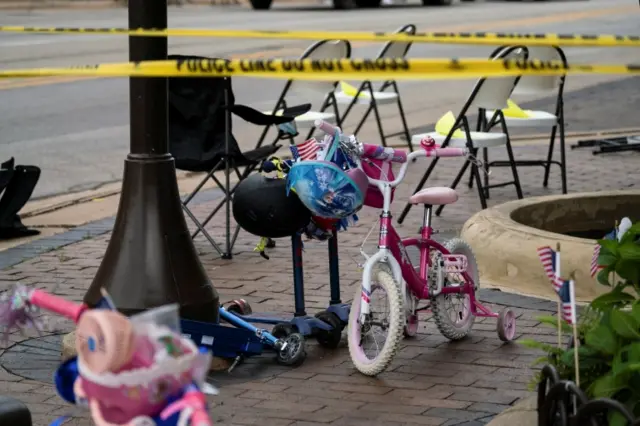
(374, 342)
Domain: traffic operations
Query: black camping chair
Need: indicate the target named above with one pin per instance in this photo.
(16, 186)
(201, 140)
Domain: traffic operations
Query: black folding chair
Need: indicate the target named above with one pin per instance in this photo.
(488, 93)
(387, 94)
(201, 140)
(540, 119)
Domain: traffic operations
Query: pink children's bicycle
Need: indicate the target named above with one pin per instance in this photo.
(447, 275)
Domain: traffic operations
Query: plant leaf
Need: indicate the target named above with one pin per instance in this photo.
(609, 247)
(612, 298)
(635, 311)
(602, 339)
(629, 270)
(603, 275)
(629, 251)
(552, 321)
(605, 387)
(606, 259)
(631, 234)
(615, 418)
(625, 325)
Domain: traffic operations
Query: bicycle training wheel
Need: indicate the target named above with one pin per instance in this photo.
(374, 343)
(452, 312)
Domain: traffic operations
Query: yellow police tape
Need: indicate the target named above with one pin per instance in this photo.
(328, 69)
(479, 38)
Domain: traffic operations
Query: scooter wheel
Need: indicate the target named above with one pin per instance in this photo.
(283, 330)
(294, 352)
(329, 338)
(240, 307)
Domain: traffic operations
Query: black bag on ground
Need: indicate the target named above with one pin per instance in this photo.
(18, 183)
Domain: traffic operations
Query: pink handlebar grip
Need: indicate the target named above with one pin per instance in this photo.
(385, 154)
(325, 127)
(448, 152)
(57, 304)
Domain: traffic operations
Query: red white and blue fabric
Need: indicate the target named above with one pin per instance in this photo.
(305, 151)
(595, 267)
(549, 259)
(568, 305)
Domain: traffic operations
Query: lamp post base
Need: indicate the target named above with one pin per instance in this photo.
(151, 260)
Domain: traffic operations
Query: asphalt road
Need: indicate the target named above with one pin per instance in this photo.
(77, 130)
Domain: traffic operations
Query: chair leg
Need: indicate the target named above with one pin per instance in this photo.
(363, 120)
(547, 166)
(403, 118)
(204, 231)
(376, 113)
(485, 169)
(476, 174)
(563, 157)
(512, 161)
(481, 126)
(457, 180)
(423, 180)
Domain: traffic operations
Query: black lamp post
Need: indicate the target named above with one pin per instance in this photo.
(151, 260)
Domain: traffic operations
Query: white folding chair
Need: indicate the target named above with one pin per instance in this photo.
(325, 49)
(488, 93)
(387, 94)
(533, 84)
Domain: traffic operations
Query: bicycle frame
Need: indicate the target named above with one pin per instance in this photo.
(392, 251)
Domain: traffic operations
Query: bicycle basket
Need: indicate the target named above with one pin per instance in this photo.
(380, 170)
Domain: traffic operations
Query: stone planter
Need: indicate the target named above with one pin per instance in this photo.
(562, 403)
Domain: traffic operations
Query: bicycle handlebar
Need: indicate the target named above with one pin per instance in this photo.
(326, 127)
(447, 152)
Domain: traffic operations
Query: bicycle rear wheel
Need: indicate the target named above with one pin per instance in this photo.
(452, 312)
(372, 353)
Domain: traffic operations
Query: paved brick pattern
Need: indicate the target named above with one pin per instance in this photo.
(431, 382)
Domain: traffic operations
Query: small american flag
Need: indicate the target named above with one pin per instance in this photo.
(566, 293)
(306, 150)
(548, 257)
(595, 268)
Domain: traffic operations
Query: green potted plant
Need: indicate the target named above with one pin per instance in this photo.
(608, 331)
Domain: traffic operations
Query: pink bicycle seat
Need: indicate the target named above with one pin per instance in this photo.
(435, 196)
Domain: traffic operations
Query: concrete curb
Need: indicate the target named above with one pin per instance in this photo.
(23, 252)
(493, 234)
(524, 413)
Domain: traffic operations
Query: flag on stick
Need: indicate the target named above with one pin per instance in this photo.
(566, 293)
(574, 322)
(306, 150)
(595, 267)
(551, 263)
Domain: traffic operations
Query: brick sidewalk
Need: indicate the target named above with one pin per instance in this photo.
(431, 382)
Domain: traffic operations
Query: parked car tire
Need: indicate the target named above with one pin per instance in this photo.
(344, 4)
(261, 4)
(436, 2)
(368, 4)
